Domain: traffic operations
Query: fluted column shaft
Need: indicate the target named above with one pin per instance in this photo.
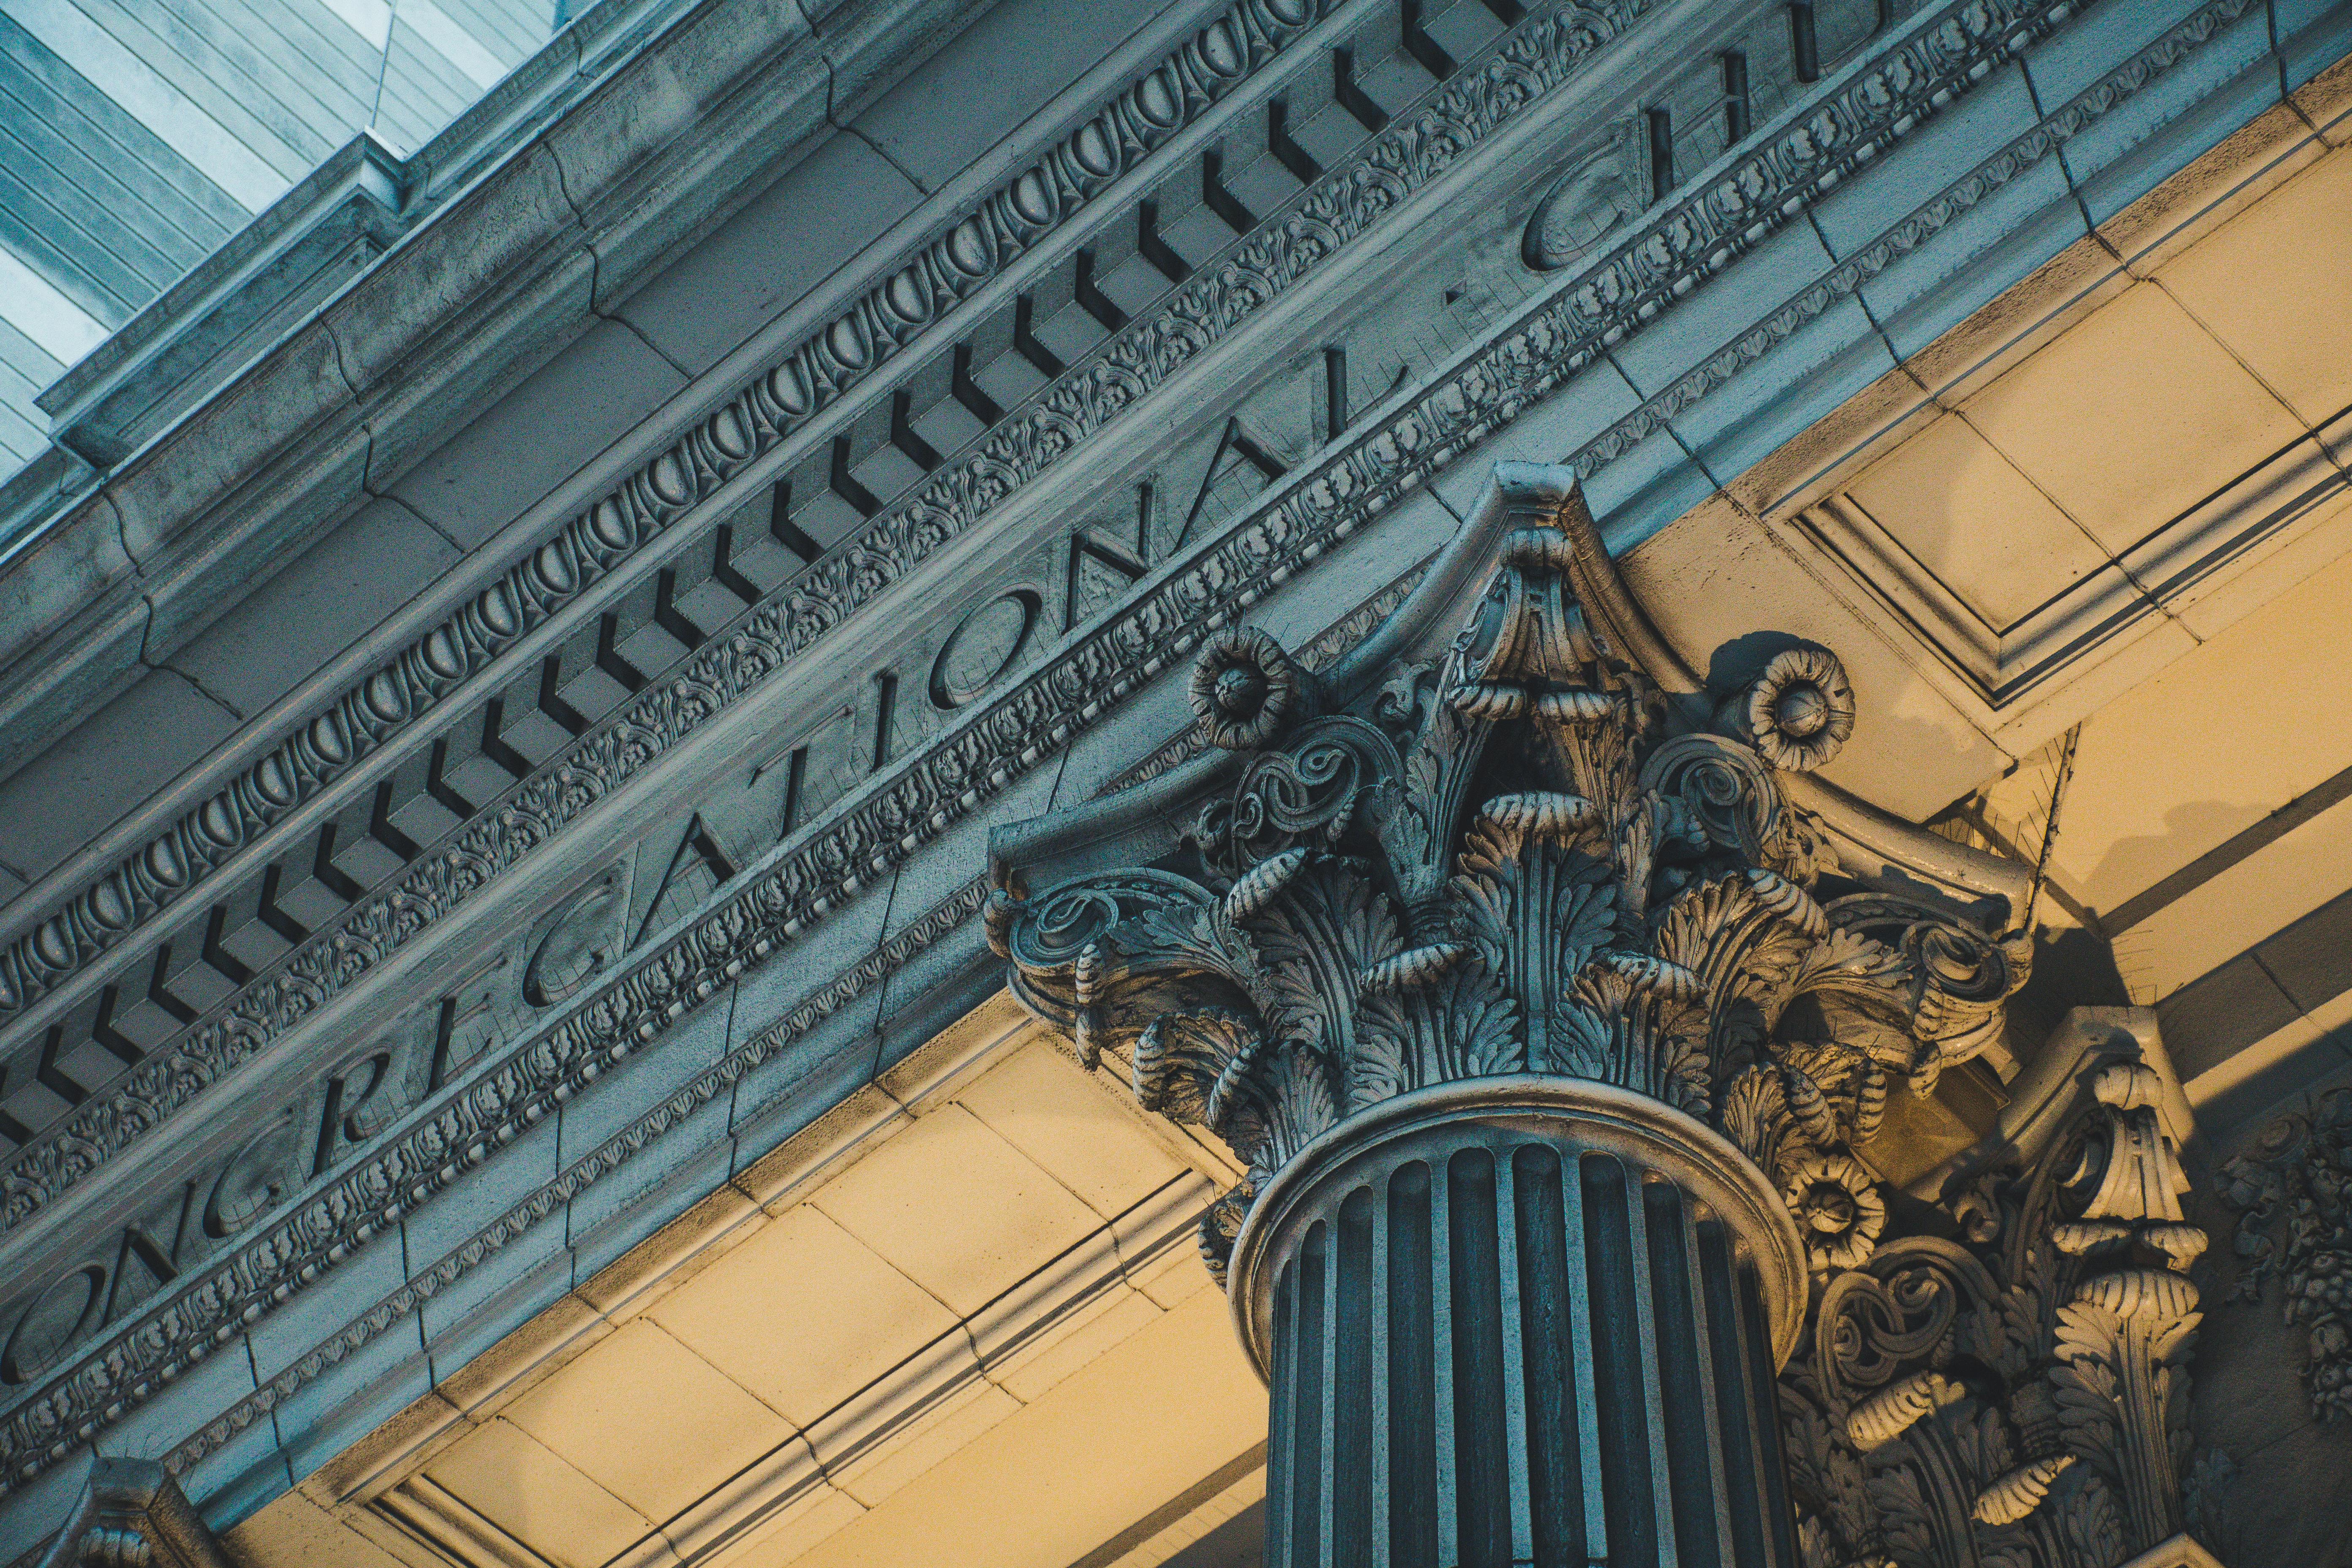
(1500, 1338)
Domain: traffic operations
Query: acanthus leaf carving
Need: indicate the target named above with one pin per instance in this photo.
(1522, 861)
(2292, 1190)
(2016, 1393)
(1518, 858)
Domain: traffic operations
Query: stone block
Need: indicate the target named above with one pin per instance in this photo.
(641, 1416)
(803, 1315)
(631, 1202)
(957, 1209)
(1987, 338)
(957, 855)
(808, 1091)
(2213, 192)
(165, 499)
(164, 1420)
(2312, 34)
(1801, 380)
(661, 1263)
(1689, 333)
(647, 219)
(784, 242)
(2246, 1093)
(316, 605)
(1357, 571)
(1876, 421)
(500, 225)
(351, 1398)
(2215, 1015)
(2176, 117)
(501, 1291)
(2286, 245)
(373, 1465)
(796, 1162)
(461, 1211)
(83, 667)
(648, 1078)
(516, 1484)
(992, 77)
(2312, 959)
(115, 758)
(2325, 99)
(1927, 162)
(539, 434)
(505, 1372)
(293, 1529)
(539, 308)
(54, 576)
(933, 989)
(1980, 254)
(1114, 743)
(295, 1327)
(1646, 490)
(633, 124)
(2096, 42)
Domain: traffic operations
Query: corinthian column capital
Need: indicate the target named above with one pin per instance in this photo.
(1532, 851)
(1573, 1033)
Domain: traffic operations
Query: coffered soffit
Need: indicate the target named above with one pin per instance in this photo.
(943, 1295)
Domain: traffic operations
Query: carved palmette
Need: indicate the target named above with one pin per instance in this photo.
(1521, 858)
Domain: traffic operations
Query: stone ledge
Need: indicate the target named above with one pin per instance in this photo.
(511, 269)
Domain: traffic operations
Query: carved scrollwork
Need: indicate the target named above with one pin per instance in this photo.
(1306, 792)
(2016, 1394)
(1516, 860)
(2293, 1189)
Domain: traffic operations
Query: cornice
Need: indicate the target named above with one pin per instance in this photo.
(1296, 522)
(917, 289)
(1452, 122)
(524, 244)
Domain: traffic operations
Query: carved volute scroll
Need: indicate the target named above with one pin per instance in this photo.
(1463, 880)
(1518, 857)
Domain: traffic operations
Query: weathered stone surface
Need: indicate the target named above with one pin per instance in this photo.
(163, 723)
(316, 605)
